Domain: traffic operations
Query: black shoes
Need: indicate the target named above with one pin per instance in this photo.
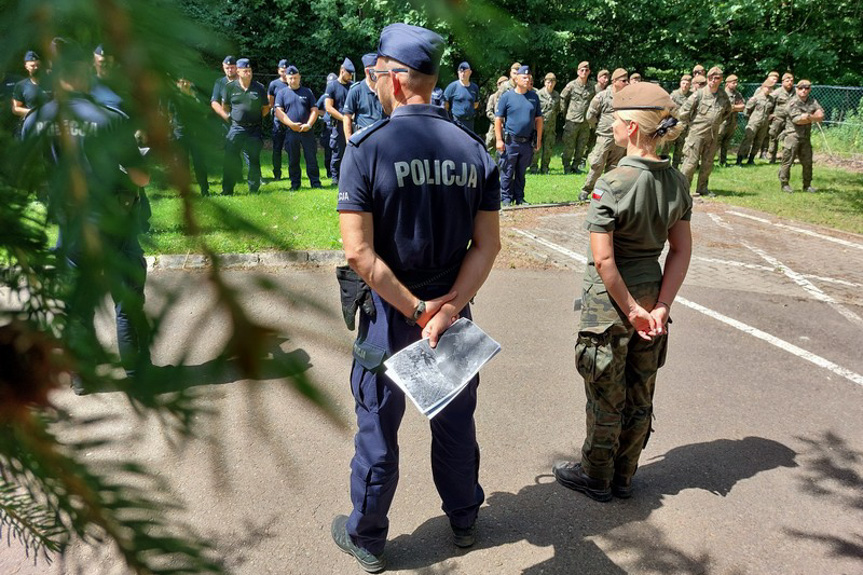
(464, 537)
(369, 562)
(621, 487)
(572, 476)
(583, 196)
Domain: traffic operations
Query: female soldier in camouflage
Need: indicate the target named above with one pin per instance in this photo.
(626, 299)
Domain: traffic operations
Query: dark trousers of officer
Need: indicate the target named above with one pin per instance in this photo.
(248, 141)
(380, 405)
(280, 133)
(189, 147)
(294, 141)
(324, 140)
(467, 122)
(337, 149)
(514, 161)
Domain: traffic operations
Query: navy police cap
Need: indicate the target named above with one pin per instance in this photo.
(244, 63)
(369, 59)
(348, 66)
(229, 60)
(413, 46)
(100, 50)
(523, 70)
(292, 70)
(463, 66)
(31, 56)
(283, 63)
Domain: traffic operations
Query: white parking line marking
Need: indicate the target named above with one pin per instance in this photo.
(748, 329)
(759, 267)
(719, 221)
(845, 243)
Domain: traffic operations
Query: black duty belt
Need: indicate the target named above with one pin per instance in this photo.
(518, 139)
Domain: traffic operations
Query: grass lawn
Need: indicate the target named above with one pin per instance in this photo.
(278, 219)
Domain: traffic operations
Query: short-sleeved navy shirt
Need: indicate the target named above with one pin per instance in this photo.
(519, 112)
(297, 104)
(219, 89)
(246, 105)
(322, 109)
(363, 104)
(461, 99)
(32, 95)
(424, 179)
(105, 95)
(339, 93)
(275, 87)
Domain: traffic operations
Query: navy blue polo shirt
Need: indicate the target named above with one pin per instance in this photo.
(423, 179)
(322, 108)
(363, 104)
(32, 95)
(246, 105)
(275, 87)
(519, 112)
(297, 104)
(104, 94)
(461, 99)
(339, 93)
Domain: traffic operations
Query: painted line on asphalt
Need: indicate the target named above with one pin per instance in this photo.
(763, 268)
(739, 325)
(840, 241)
(807, 285)
(719, 221)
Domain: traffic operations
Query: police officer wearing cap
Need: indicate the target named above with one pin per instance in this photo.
(229, 67)
(802, 111)
(100, 88)
(245, 104)
(336, 96)
(323, 125)
(461, 97)
(296, 109)
(362, 107)
(418, 204)
(30, 92)
(606, 152)
(518, 133)
(279, 129)
(626, 294)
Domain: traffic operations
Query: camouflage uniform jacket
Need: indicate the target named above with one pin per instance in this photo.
(601, 112)
(491, 104)
(705, 111)
(597, 88)
(780, 98)
(575, 100)
(679, 97)
(730, 123)
(549, 104)
(757, 109)
(796, 108)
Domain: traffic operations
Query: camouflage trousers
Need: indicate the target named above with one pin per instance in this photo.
(619, 370)
(726, 133)
(794, 147)
(698, 152)
(775, 133)
(549, 137)
(753, 138)
(603, 158)
(575, 136)
(491, 141)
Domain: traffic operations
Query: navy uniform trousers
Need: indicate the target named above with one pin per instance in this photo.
(380, 405)
(248, 140)
(337, 149)
(280, 131)
(514, 161)
(305, 140)
(324, 140)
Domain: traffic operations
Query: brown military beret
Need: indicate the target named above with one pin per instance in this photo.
(787, 75)
(501, 80)
(699, 79)
(773, 74)
(550, 76)
(515, 66)
(686, 77)
(804, 84)
(584, 64)
(602, 73)
(642, 96)
(635, 76)
(731, 78)
(715, 71)
(696, 69)
(768, 83)
(618, 73)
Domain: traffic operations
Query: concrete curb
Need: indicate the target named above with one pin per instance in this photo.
(244, 261)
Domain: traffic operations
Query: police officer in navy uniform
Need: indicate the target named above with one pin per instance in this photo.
(229, 67)
(362, 107)
(462, 96)
(518, 130)
(336, 95)
(296, 109)
(100, 89)
(98, 229)
(279, 129)
(245, 103)
(30, 92)
(418, 204)
(324, 124)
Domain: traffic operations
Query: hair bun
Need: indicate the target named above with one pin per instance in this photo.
(664, 126)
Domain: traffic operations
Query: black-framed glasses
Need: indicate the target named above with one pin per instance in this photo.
(375, 74)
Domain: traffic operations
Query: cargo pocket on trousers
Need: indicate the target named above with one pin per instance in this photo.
(593, 353)
(374, 480)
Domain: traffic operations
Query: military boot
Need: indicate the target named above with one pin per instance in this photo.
(571, 475)
(787, 189)
(751, 160)
(621, 487)
(810, 189)
(583, 196)
(739, 161)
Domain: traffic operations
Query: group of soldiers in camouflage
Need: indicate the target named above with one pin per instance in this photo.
(777, 117)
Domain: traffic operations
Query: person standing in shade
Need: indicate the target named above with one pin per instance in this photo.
(30, 92)
(102, 92)
(549, 101)
(362, 107)
(627, 295)
(606, 153)
(490, 110)
(679, 97)
(756, 112)
(229, 67)
(575, 100)
(244, 105)
(802, 111)
(703, 112)
(729, 127)
(461, 97)
(518, 134)
(183, 108)
(296, 109)
(336, 95)
(324, 124)
(279, 130)
(781, 96)
(424, 244)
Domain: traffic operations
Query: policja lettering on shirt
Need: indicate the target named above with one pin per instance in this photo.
(421, 173)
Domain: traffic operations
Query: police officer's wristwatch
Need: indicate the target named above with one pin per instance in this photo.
(418, 311)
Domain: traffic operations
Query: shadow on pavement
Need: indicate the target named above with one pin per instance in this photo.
(548, 515)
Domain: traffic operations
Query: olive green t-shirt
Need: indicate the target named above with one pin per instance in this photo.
(639, 201)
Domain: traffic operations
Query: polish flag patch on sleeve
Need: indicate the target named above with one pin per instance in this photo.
(597, 194)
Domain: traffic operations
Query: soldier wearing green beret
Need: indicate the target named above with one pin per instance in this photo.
(626, 295)
(802, 111)
(704, 111)
(756, 112)
(780, 96)
(549, 101)
(729, 127)
(574, 101)
(606, 152)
